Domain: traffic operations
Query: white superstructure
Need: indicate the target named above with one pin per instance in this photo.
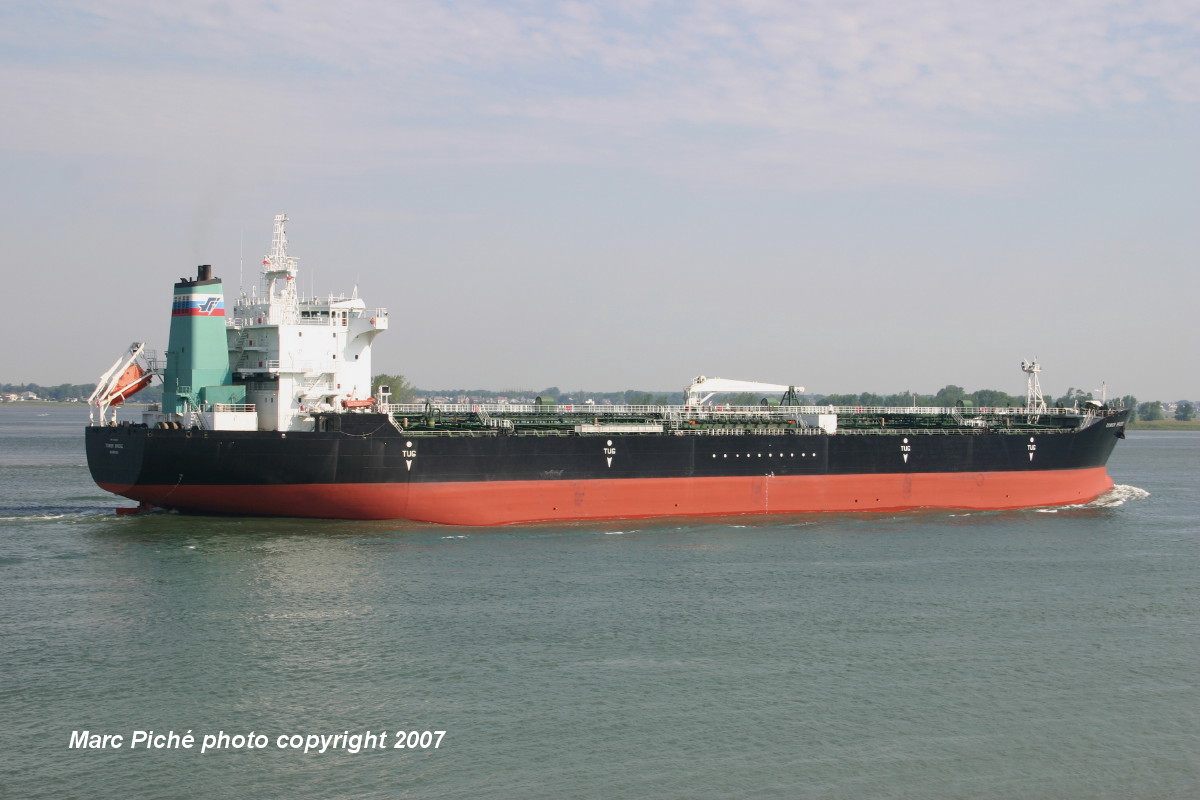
(299, 355)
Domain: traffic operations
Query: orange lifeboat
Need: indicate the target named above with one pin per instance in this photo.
(132, 381)
(358, 403)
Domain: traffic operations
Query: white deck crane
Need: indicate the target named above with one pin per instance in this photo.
(702, 388)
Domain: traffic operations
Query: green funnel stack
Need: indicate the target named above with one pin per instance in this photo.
(197, 353)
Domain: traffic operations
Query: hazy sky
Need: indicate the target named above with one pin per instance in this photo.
(860, 195)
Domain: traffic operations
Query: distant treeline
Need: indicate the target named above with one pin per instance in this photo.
(63, 392)
(70, 392)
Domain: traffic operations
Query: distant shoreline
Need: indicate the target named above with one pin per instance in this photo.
(37, 403)
(1166, 425)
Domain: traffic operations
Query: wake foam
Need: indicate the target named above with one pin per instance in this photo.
(1117, 496)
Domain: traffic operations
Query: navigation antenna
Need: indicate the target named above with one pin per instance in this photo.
(1033, 396)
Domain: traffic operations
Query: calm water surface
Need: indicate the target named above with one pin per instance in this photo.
(1032, 654)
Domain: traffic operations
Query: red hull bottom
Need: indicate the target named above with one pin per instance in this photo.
(506, 502)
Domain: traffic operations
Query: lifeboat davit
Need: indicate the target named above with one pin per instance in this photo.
(128, 375)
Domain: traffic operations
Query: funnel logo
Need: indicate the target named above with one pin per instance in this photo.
(198, 305)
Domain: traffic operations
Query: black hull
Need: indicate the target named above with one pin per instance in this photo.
(370, 469)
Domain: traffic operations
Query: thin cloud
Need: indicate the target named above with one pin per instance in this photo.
(758, 75)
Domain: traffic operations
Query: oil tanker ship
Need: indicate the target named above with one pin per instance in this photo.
(267, 409)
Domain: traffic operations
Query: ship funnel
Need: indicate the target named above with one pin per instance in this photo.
(198, 350)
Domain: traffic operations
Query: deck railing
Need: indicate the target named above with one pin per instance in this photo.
(262, 316)
(713, 412)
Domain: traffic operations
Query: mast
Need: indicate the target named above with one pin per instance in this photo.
(279, 277)
(1033, 395)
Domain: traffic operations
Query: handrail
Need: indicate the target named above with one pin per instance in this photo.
(721, 412)
(331, 316)
(795, 431)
